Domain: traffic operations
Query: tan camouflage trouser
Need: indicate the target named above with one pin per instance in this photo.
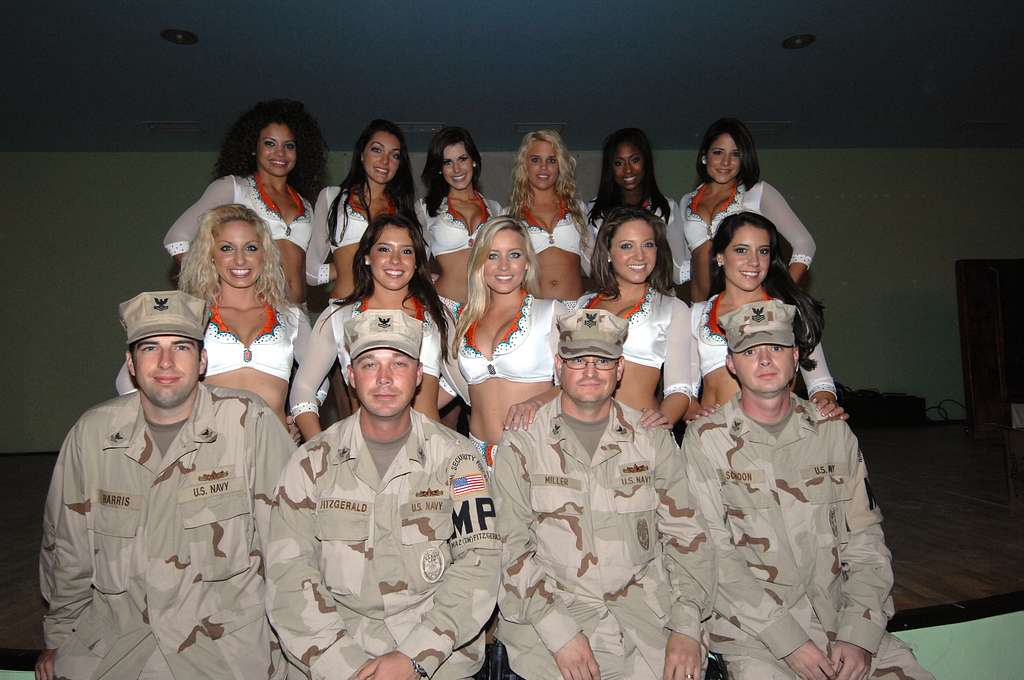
(894, 660)
(156, 668)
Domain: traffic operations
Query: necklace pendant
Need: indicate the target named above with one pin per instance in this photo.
(247, 355)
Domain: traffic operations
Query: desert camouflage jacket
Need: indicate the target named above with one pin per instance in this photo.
(583, 537)
(140, 549)
(360, 566)
(790, 516)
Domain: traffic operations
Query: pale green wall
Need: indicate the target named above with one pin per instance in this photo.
(82, 231)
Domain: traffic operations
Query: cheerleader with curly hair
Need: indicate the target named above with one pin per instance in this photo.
(272, 158)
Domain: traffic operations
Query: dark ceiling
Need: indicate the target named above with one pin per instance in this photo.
(89, 75)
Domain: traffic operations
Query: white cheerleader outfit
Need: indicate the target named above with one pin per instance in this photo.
(660, 335)
(762, 198)
(713, 348)
(447, 231)
(327, 344)
(246, 191)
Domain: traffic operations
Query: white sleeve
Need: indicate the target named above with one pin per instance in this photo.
(775, 208)
(220, 192)
(586, 253)
(318, 273)
(123, 383)
(430, 349)
(694, 231)
(558, 310)
(819, 378)
(319, 352)
(677, 243)
(679, 373)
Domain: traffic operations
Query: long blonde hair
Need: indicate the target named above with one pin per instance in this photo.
(565, 186)
(199, 276)
(479, 294)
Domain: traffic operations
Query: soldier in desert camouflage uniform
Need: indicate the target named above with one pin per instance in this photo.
(384, 557)
(154, 524)
(606, 567)
(804, 577)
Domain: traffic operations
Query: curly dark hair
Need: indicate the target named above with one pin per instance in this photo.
(236, 151)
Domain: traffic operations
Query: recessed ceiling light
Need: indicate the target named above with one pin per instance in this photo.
(796, 42)
(179, 36)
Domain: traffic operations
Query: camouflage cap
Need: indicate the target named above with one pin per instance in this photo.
(591, 333)
(165, 312)
(384, 328)
(766, 322)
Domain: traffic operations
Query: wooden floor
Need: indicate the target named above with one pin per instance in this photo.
(943, 495)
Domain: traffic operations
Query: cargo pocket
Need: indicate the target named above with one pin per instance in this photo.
(344, 549)
(636, 507)
(559, 524)
(425, 546)
(829, 494)
(219, 530)
(749, 507)
(114, 531)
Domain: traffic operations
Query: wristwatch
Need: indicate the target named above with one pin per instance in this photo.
(420, 671)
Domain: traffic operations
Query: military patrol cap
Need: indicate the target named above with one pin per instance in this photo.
(384, 328)
(165, 312)
(766, 322)
(591, 333)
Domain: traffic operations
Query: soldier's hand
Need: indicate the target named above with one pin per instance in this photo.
(521, 415)
(44, 664)
(652, 417)
(828, 407)
(575, 660)
(294, 430)
(702, 411)
(391, 666)
(683, 657)
(810, 663)
(852, 662)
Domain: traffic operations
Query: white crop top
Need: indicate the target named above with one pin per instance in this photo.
(526, 352)
(320, 245)
(243, 190)
(282, 340)
(761, 198)
(712, 348)
(447, 231)
(565, 235)
(660, 334)
(327, 344)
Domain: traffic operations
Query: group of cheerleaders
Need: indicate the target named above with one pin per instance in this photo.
(487, 282)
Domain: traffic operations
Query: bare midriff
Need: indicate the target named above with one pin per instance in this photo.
(638, 385)
(344, 282)
(453, 282)
(559, 276)
(491, 402)
(293, 261)
(719, 387)
(273, 390)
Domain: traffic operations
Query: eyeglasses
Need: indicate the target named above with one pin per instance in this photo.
(600, 363)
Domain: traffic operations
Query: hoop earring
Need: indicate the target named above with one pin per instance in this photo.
(704, 160)
(366, 261)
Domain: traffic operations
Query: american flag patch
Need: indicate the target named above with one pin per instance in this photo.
(468, 484)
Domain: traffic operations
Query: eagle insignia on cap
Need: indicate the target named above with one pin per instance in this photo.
(590, 320)
(160, 304)
(758, 315)
(384, 322)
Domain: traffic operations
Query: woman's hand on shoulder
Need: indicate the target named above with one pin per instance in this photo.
(828, 407)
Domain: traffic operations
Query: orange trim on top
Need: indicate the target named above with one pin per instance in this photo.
(513, 327)
(531, 219)
(418, 308)
(390, 209)
(483, 209)
(699, 196)
(268, 326)
(272, 206)
(628, 314)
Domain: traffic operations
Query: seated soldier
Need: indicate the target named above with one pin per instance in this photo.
(383, 559)
(606, 568)
(804, 577)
